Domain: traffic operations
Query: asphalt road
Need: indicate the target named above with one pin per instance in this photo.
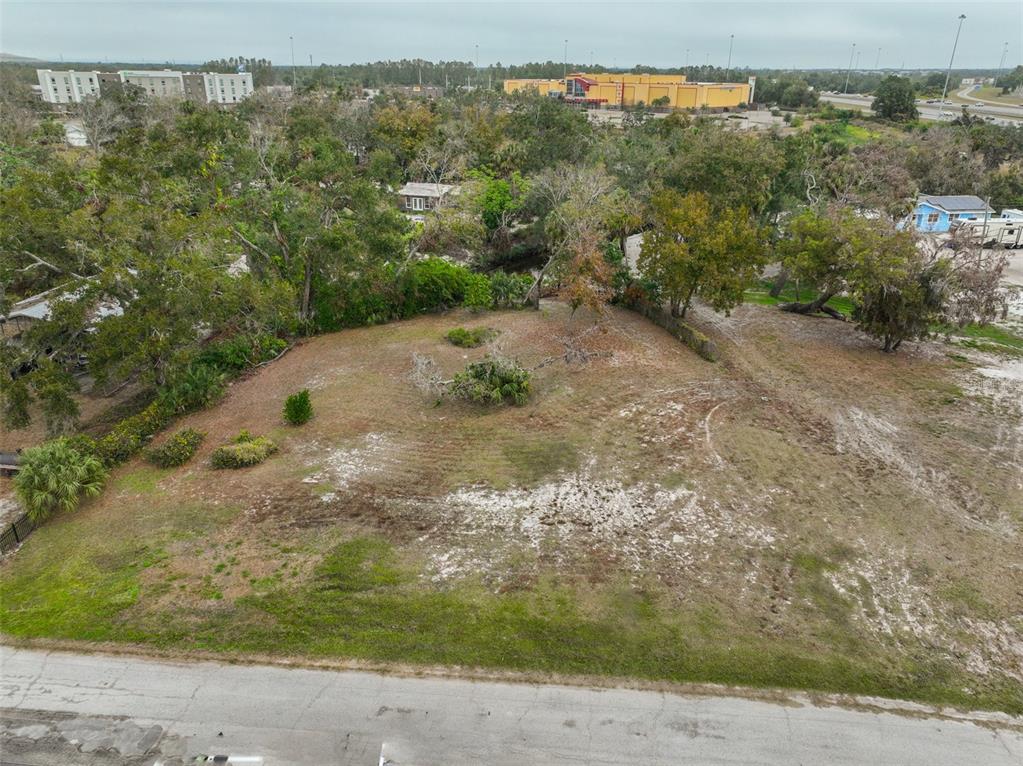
(89, 709)
(1002, 114)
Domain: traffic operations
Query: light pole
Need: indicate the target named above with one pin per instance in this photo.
(728, 69)
(687, 61)
(948, 74)
(564, 64)
(1001, 63)
(294, 82)
(848, 72)
(877, 61)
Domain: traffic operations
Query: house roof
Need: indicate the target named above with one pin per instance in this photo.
(956, 203)
(416, 189)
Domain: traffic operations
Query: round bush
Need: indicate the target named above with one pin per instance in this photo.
(492, 381)
(244, 451)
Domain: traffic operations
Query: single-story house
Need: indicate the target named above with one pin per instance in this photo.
(39, 308)
(416, 198)
(936, 213)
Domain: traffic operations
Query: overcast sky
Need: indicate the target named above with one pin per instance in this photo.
(804, 34)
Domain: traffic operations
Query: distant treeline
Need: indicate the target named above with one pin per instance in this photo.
(452, 73)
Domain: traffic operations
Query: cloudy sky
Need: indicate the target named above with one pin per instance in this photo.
(814, 33)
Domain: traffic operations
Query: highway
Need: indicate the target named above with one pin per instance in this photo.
(1002, 113)
(89, 709)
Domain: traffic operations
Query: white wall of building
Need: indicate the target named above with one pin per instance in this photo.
(228, 88)
(67, 87)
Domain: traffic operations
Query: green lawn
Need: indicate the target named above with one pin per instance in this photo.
(761, 294)
(989, 338)
(365, 602)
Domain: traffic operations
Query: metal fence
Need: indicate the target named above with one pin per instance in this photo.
(15, 533)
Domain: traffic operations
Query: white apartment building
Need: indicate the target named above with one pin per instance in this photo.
(228, 88)
(67, 87)
(208, 87)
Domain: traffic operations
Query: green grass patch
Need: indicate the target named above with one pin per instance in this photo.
(141, 481)
(761, 294)
(366, 601)
(988, 338)
(533, 460)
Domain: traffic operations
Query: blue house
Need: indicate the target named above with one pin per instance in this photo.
(934, 213)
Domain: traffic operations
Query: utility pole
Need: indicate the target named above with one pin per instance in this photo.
(687, 61)
(294, 82)
(1005, 52)
(848, 72)
(948, 74)
(728, 69)
(591, 59)
(877, 61)
(310, 59)
(564, 66)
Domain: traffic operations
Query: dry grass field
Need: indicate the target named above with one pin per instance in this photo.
(808, 512)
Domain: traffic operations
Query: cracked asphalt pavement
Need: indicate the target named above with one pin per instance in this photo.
(86, 710)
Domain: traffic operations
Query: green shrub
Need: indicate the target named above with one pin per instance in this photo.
(131, 434)
(242, 351)
(492, 381)
(474, 338)
(433, 284)
(177, 450)
(83, 444)
(54, 476)
(509, 290)
(478, 295)
(196, 387)
(297, 408)
(244, 451)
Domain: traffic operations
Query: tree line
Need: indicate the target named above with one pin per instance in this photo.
(188, 240)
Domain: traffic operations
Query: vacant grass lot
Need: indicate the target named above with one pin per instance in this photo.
(807, 513)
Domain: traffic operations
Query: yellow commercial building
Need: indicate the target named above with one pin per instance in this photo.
(616, 90)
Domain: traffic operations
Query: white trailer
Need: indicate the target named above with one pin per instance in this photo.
(994, 232)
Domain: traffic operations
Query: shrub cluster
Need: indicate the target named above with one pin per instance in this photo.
(430, 284)
(55, 475)
(297, 408)
(131, 434)
(195, 387)
(473, 338)
(242, 351)
(492, 381)
(245, 450)
(177, 450)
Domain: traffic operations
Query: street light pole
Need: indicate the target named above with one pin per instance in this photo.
(948, 74)
(728, 69)
(294, 85)
(848, 72)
